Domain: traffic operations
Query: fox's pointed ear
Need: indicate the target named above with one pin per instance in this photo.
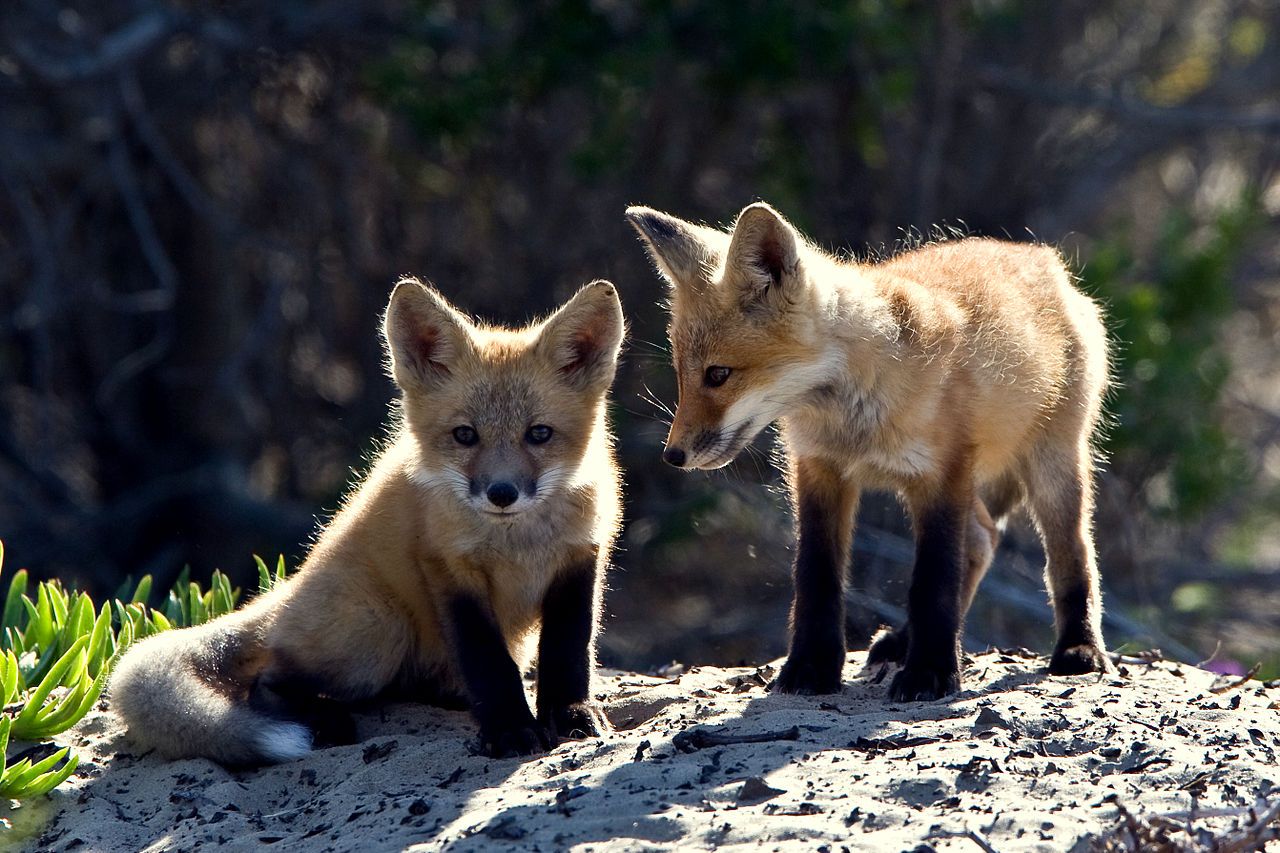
(684, 253)
(764, 252)
(425, 336)
(582, 339)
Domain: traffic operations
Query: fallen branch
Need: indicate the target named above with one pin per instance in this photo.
(692, 740)
(1232, 685)
(979, 839)
(1150, 832)
(1254, 836)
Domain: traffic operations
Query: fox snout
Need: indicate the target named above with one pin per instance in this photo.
(705, 448)
(503, 493)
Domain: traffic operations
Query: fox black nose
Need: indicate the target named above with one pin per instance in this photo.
(502, 494)
(673, 456)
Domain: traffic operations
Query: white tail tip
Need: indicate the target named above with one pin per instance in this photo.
(284, 741)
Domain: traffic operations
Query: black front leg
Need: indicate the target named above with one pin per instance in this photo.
(492, 680)
(932, 666)
(825, 506)
(566, 652)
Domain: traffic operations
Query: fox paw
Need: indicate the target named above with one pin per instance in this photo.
(924, 684)
(1079, 659)
(804, 677)
(576, 721)
(888, 646)
(507, 741)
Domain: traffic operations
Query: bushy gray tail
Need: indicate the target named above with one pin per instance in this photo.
(184, 693)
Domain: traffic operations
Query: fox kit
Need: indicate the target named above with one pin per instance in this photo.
(482, 529)
(965, 376)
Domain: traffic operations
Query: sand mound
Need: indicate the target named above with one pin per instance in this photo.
(711, 759)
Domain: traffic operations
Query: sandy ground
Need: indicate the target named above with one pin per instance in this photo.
(1025, 761)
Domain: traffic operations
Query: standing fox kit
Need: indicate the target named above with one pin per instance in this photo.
(966, 376)
(482, 528)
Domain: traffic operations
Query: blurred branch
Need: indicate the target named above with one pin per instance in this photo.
(1123, 106)
(112, 52)
(151, 137)
(896, 548)
(126, 181)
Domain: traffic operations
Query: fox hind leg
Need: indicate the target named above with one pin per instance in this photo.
(981, 541)
(1061, 486)
(931, 668)
(285, 694)
(890, 644)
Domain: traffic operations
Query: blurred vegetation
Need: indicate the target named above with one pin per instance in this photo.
(1170, 434)
(202, 210)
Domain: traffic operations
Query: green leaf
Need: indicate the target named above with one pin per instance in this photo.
(160, 622)
(143, 592)
(39, 629)
(175, 609)
(80, 616)
(8, 680)
(99, 640)
(45, 622)
(73, 660)
(13, 601)
(49, 781)
(58, 601)
(57, 717)
(13, 640)
(25, 779)
(196, 610)
(264, 575)
(92, 695)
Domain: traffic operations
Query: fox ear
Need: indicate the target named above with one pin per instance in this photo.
(425, 336)
(683, 252)
(582, 339)
(764, 252)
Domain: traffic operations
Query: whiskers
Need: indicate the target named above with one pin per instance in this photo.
(446, 481)
(652, 399)
(650, 351)
(551, 481)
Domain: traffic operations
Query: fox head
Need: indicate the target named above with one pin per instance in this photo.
(503, 419)
(745, 327)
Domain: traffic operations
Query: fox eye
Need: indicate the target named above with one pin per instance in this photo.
(716, 375)
(538, 434)
(465, 435)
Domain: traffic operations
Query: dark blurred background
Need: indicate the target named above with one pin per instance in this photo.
(203, 207)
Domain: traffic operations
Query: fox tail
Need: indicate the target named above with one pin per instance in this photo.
(185, 694)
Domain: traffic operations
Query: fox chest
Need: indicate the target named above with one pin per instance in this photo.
(857, 434)
(519, 564)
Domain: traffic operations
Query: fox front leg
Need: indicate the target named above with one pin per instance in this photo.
(566, 653)
(492, 679)
(826, 503)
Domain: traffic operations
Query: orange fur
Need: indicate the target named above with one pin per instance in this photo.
(965, 373)
(366, 611)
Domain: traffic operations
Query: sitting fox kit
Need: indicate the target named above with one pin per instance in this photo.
(482, 529)
(966, 376)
